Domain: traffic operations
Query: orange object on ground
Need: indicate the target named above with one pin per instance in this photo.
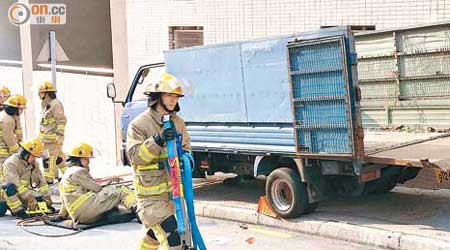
(265, 208)
(250, 240)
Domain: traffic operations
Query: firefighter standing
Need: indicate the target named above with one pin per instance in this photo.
(9, 117)
(4, 95)
(146, 148)
(52, 126)
(84, 200)
(24, 185)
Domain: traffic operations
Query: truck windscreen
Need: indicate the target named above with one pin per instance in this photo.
(152, 77)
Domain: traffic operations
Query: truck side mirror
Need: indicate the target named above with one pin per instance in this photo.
(111, 91)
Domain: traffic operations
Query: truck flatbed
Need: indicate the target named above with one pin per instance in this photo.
(383, 147)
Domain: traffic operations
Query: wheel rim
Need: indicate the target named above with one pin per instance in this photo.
(282, 197)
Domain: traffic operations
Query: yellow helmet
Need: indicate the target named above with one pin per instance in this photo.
(46, 87)
(82, 150)
(5, 92)
(167, 84)
(34, 147)
(16, 101)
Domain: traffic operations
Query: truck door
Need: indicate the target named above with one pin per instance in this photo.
(136, 101)
(323, 96)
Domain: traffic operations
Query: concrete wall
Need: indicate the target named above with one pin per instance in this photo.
(90, 115)
(11, 77)
(231, 20)
(9, 35)
(86, 36)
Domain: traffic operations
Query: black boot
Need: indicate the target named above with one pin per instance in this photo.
(134, 212)
(3, 208)
(21, 214)
(53, 210)
(114, 216)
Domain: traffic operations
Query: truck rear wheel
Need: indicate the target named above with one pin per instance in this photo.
(286, 193)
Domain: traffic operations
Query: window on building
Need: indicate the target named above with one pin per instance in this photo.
(355, 28)
(185, 36)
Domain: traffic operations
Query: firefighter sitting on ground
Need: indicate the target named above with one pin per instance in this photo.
(85, 201)
(52, 128)
(25, 188)
(146, 142)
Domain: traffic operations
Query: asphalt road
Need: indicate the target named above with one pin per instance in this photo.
(218, 234)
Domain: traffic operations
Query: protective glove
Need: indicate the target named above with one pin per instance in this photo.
(45, 161)
(53, 210)
(166, 134)
(116, 179)
(113, 179)
(32, 203)
(59, 160)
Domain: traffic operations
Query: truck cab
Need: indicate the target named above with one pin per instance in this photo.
(135, 101)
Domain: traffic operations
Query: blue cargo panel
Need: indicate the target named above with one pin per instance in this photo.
(239, 82)
(319, 86)
(214, 76)
(265, 75)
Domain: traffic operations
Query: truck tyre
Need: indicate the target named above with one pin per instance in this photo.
(286, 193)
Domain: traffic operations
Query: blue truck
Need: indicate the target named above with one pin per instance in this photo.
(284, 107)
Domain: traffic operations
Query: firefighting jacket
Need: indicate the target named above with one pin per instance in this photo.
(147, 157)
(53, 122)
(8, 142)
(25, 176)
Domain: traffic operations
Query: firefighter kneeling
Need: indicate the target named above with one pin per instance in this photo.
(25, 189)
(84, 200)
